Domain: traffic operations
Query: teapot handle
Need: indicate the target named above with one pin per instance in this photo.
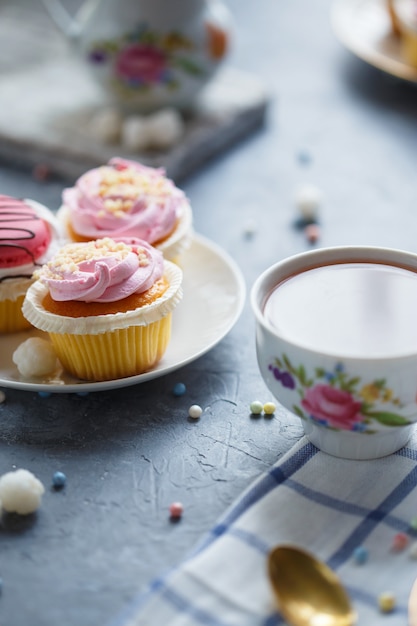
(71, 26)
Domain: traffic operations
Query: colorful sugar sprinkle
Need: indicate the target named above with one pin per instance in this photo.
(308, 199)
(179, 389)
(312, 233)
(195, 411)
(176, 510)
(386, 602)
(400, 542)
(59, 480)
(361, 555)
(256, 407)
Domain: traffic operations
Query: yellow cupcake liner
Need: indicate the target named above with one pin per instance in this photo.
(11, 316)
(119, 354)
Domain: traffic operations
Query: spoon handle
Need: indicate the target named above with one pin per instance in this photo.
(412, 605)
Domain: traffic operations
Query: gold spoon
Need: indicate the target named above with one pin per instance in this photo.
(308, 592)
(412, 605)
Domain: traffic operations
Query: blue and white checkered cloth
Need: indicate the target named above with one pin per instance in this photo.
(327, 505)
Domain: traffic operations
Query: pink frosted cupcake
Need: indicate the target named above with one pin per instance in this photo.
(126, 199)
(107, 307)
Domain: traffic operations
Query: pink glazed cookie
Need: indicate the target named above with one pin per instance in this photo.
(28, 235)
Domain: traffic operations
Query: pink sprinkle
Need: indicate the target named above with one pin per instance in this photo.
(121, 166)
(312, 232)
(176, 510)
(41, 172)
(400, 541)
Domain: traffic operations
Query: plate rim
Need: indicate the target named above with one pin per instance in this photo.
(390, 65)
(91, 386)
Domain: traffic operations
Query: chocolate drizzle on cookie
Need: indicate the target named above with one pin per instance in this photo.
(15, 210)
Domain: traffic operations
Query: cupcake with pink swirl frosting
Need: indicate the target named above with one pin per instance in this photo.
(107, 306)
(127, 199)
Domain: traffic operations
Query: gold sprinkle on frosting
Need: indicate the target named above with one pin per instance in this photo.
(120, 189)
(70, 256)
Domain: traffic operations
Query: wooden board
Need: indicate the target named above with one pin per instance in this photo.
(47, 100)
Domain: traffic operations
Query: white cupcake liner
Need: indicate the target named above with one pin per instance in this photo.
(180, 239)
(173, 246)
(39, 317)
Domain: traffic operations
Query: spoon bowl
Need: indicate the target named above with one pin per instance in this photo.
(308, 592)
(412, 605)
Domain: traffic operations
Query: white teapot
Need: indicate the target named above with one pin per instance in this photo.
(148, 54)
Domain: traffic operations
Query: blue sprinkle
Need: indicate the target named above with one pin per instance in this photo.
(359, 428)
(360, 554)
(44, 394)
(304, 157)
(82, 393)
(179, 389)
(59, 479)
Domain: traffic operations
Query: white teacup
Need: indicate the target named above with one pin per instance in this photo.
(336, 337)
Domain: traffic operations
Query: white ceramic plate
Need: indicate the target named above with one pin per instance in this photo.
(214, 295)
(363, 26)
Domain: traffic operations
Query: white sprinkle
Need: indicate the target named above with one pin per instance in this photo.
(256, 407)
(308, 199)
(195, 411)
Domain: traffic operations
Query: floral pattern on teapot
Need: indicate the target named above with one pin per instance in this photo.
(337, 401)
(144, 59)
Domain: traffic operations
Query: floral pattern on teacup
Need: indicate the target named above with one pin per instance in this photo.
(145, 59)
(335, 400)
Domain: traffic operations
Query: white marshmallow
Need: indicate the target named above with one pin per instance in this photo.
(106, 125)
(35, 357)
(135, 133)
(20, 492)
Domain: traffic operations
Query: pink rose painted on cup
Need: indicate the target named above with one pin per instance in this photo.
(336, 399)
(141, 63)
(336, 406)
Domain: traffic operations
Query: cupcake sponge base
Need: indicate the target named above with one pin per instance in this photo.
(118, 354)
